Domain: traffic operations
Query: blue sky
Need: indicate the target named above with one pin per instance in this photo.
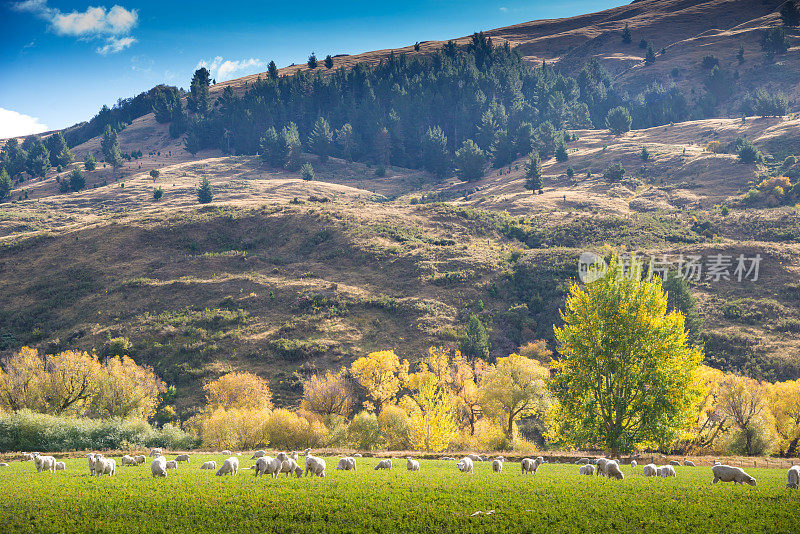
(61, 61)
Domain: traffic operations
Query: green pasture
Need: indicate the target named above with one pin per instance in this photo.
(436, 499)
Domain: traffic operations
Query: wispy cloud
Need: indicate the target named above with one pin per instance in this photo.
(13, 124)
(223, 69)
(113, 25)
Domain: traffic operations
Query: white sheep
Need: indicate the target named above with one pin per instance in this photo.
(91, 457)
(674, 462)
(474, 457)
(105, 466)
(140, 459)
(44, 463)
(634, 463)
(182, 458)
(497, 466)
(386, 463)
(650, 470)
(689, 463)
(226, 452)
(294, 456)
(582, 461)
(447, 459)
(529, 465)
(290, 467)
(612, 470)
(209, 465)
(155, 452)
(60, 466)
(465, 465)
(258, 454)
(412, 465)
(3, 464)
(586, 469)
(348, 463)
(127, 460)
(501, 458)
(229, 467)
(172, 464)
(727, 473)
(357, 455)
(601, 466)
(263, 466)
(314, 465)
(793, 475)
(158, 467)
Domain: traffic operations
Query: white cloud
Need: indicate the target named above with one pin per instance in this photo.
(13, 124)
(114, 45)
(113, 24)
(504, 9)
(223, 69)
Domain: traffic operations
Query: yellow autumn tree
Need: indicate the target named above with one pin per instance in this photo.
(785, 405)
(381, 374)
(711, 423)
(328, 395)
(127, 390)
(238, 390)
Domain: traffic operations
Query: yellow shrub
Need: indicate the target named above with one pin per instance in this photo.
(288, 430)
(394, 425)
(234, 429)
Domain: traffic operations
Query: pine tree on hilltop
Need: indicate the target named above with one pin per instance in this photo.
(626, 35)
(205, 193)
(328, 62)
(272, 69)
(312, 61)
(13, 157)
(198, 99)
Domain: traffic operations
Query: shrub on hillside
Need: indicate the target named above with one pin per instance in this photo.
(364, 431)
(747, 152)
(614, 173)
(716, 147)
(618, 120)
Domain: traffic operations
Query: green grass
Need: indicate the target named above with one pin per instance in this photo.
(436, 499)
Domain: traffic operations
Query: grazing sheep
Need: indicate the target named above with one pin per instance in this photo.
(290, 467)
(258, 454)
(529, 465)
(613, 471)
(727, 473)
(44, 463)
(465, 465)
(474, 457)
(348, 463)
(412, 465)
(172, 464)
(582, 461)
(633, 463)
(586, 469)
(501, 458)
(226, 452)
(127, 460)
(793, 475)
(182, 458)
(689, 463)
(674, 462)
(386, 463)
(105, 466)
(140, 459)
(229, 467)
(158, 467)
(155, 452)
(274, 466)
(263, 465)
(601, 466)
(294, 456)
(314, 465)
(209, 465)
(447, 459)
(60, 466)
(650, 470)
(497, 466)
(357, 455)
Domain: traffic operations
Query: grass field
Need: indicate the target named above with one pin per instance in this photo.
(436, 499)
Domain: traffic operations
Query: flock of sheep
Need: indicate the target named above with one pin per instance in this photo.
(315, 466)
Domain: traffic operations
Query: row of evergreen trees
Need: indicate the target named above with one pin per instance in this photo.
(457, 109)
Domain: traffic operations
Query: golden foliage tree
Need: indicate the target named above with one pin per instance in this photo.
(745, 402)
(381, 374)
(394, 426)
(516, 387)
(625, 376)
(328, 395)
(710, 423)
(128, 389)
(430, 404)
(238, 390)
(785, 405)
